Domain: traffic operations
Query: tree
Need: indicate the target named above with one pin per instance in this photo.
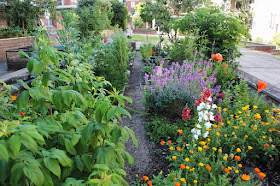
(120, 14)
(26, 14)
(93, 17)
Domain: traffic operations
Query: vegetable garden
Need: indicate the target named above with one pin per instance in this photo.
(66, 128)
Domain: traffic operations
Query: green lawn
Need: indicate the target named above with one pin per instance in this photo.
(145, 38)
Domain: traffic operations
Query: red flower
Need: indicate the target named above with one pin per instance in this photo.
(150, 183)
(266, 145)
(261, 85)
(145, 178)
(21, 113)
(153, 52)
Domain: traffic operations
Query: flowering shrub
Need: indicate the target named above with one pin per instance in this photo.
(169, 90)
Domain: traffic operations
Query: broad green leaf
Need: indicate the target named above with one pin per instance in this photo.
(104, 128)
(4, 152)
(34, 134)
(98, 115)
(120, 100)
(24, 84)
(104, 107)
(67, 97)
(57, 100)
(87, 132)
(16, 172)
(38, 67)
(69, 147)
(132, 135)
(34, 173)
(62, 158)
(110, 114)
(116, 133)
(22, 100)
(104, 155)
(15, 144)
(28, 141)
(45, 78)
(101, 167)
(48, 178)
(119, 171)
(29, 65)
(87, 161)
(119, 158)
(24, 128)
(127, 157)
(53, 166)
(121, 110)
(79, 163)
(4, 170)
(75, 139)
(80, 117)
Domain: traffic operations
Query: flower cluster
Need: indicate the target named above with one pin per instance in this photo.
(186, 114)
(205, 115)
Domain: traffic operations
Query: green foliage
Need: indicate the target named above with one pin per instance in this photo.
(146, 50)
(64, 129)
(25, 14)
(120, 14)
(160, 129)
(115, 65)
(222, 30)
(92, 17)
(136, 18)
(9, 32)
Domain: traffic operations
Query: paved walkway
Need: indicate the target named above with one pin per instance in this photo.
(262, 66)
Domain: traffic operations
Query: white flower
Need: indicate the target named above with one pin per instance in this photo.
(198, 126)
(208, 106)
(201, 106)
(195, 136)
(207, 124)
(206, 134)
(209, 99)
(214, 106)
(211, 116)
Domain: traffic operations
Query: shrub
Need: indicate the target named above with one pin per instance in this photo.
(146, 50)
(115, 66)
(167, 91)
(120, 14)
(222, 30)
(8, 32)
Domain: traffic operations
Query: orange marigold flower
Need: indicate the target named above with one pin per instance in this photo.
(14, 98)
(150, 183)
(178, 149)
(183, 166)
(257, 170)
(177, 184)
(261, 85)
(262, 175)
(136, 175)
(175, 179)
(169, 141)
(266, 145)
(237, 158)
(145, 178)
(208, 168)
(162, 142)
(180, 131)
(245, 177)
(226, 170)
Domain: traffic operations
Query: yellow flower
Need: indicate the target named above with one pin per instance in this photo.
(199, 149)
(225, 158)
(231, 115)
(202, 143)
(228, 122)
(236, 117)
(219, 108)
(187, 159)
(255, 128)
(201, 164)
(160, 172)
(238, 150)
(244, 125)
(208, 139)
(225, 135)
(264, 137)
(273, 110)
(14, 98)
(229, 168)
(218, 134)
(255, 107)
(195, 181)
(183, 180)
(220, 150)
(250, 148)
(214, 148)
(225, 109)
(239, 112)
(191, 151)
(174, 157)
(214, 125)
(192, 169)
(246, 136)
(257, 116)
(235, 127)
(248, 115)
(267, 111)
(266, 123)
(236, 171)
(187, 167)
(171, 148)
(240, 165)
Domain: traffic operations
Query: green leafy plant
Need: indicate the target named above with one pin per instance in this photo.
(146, 50)
(120, 14)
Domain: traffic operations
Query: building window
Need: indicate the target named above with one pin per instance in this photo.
(132, 4)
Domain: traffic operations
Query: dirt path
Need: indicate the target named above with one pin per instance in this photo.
(142, 154)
